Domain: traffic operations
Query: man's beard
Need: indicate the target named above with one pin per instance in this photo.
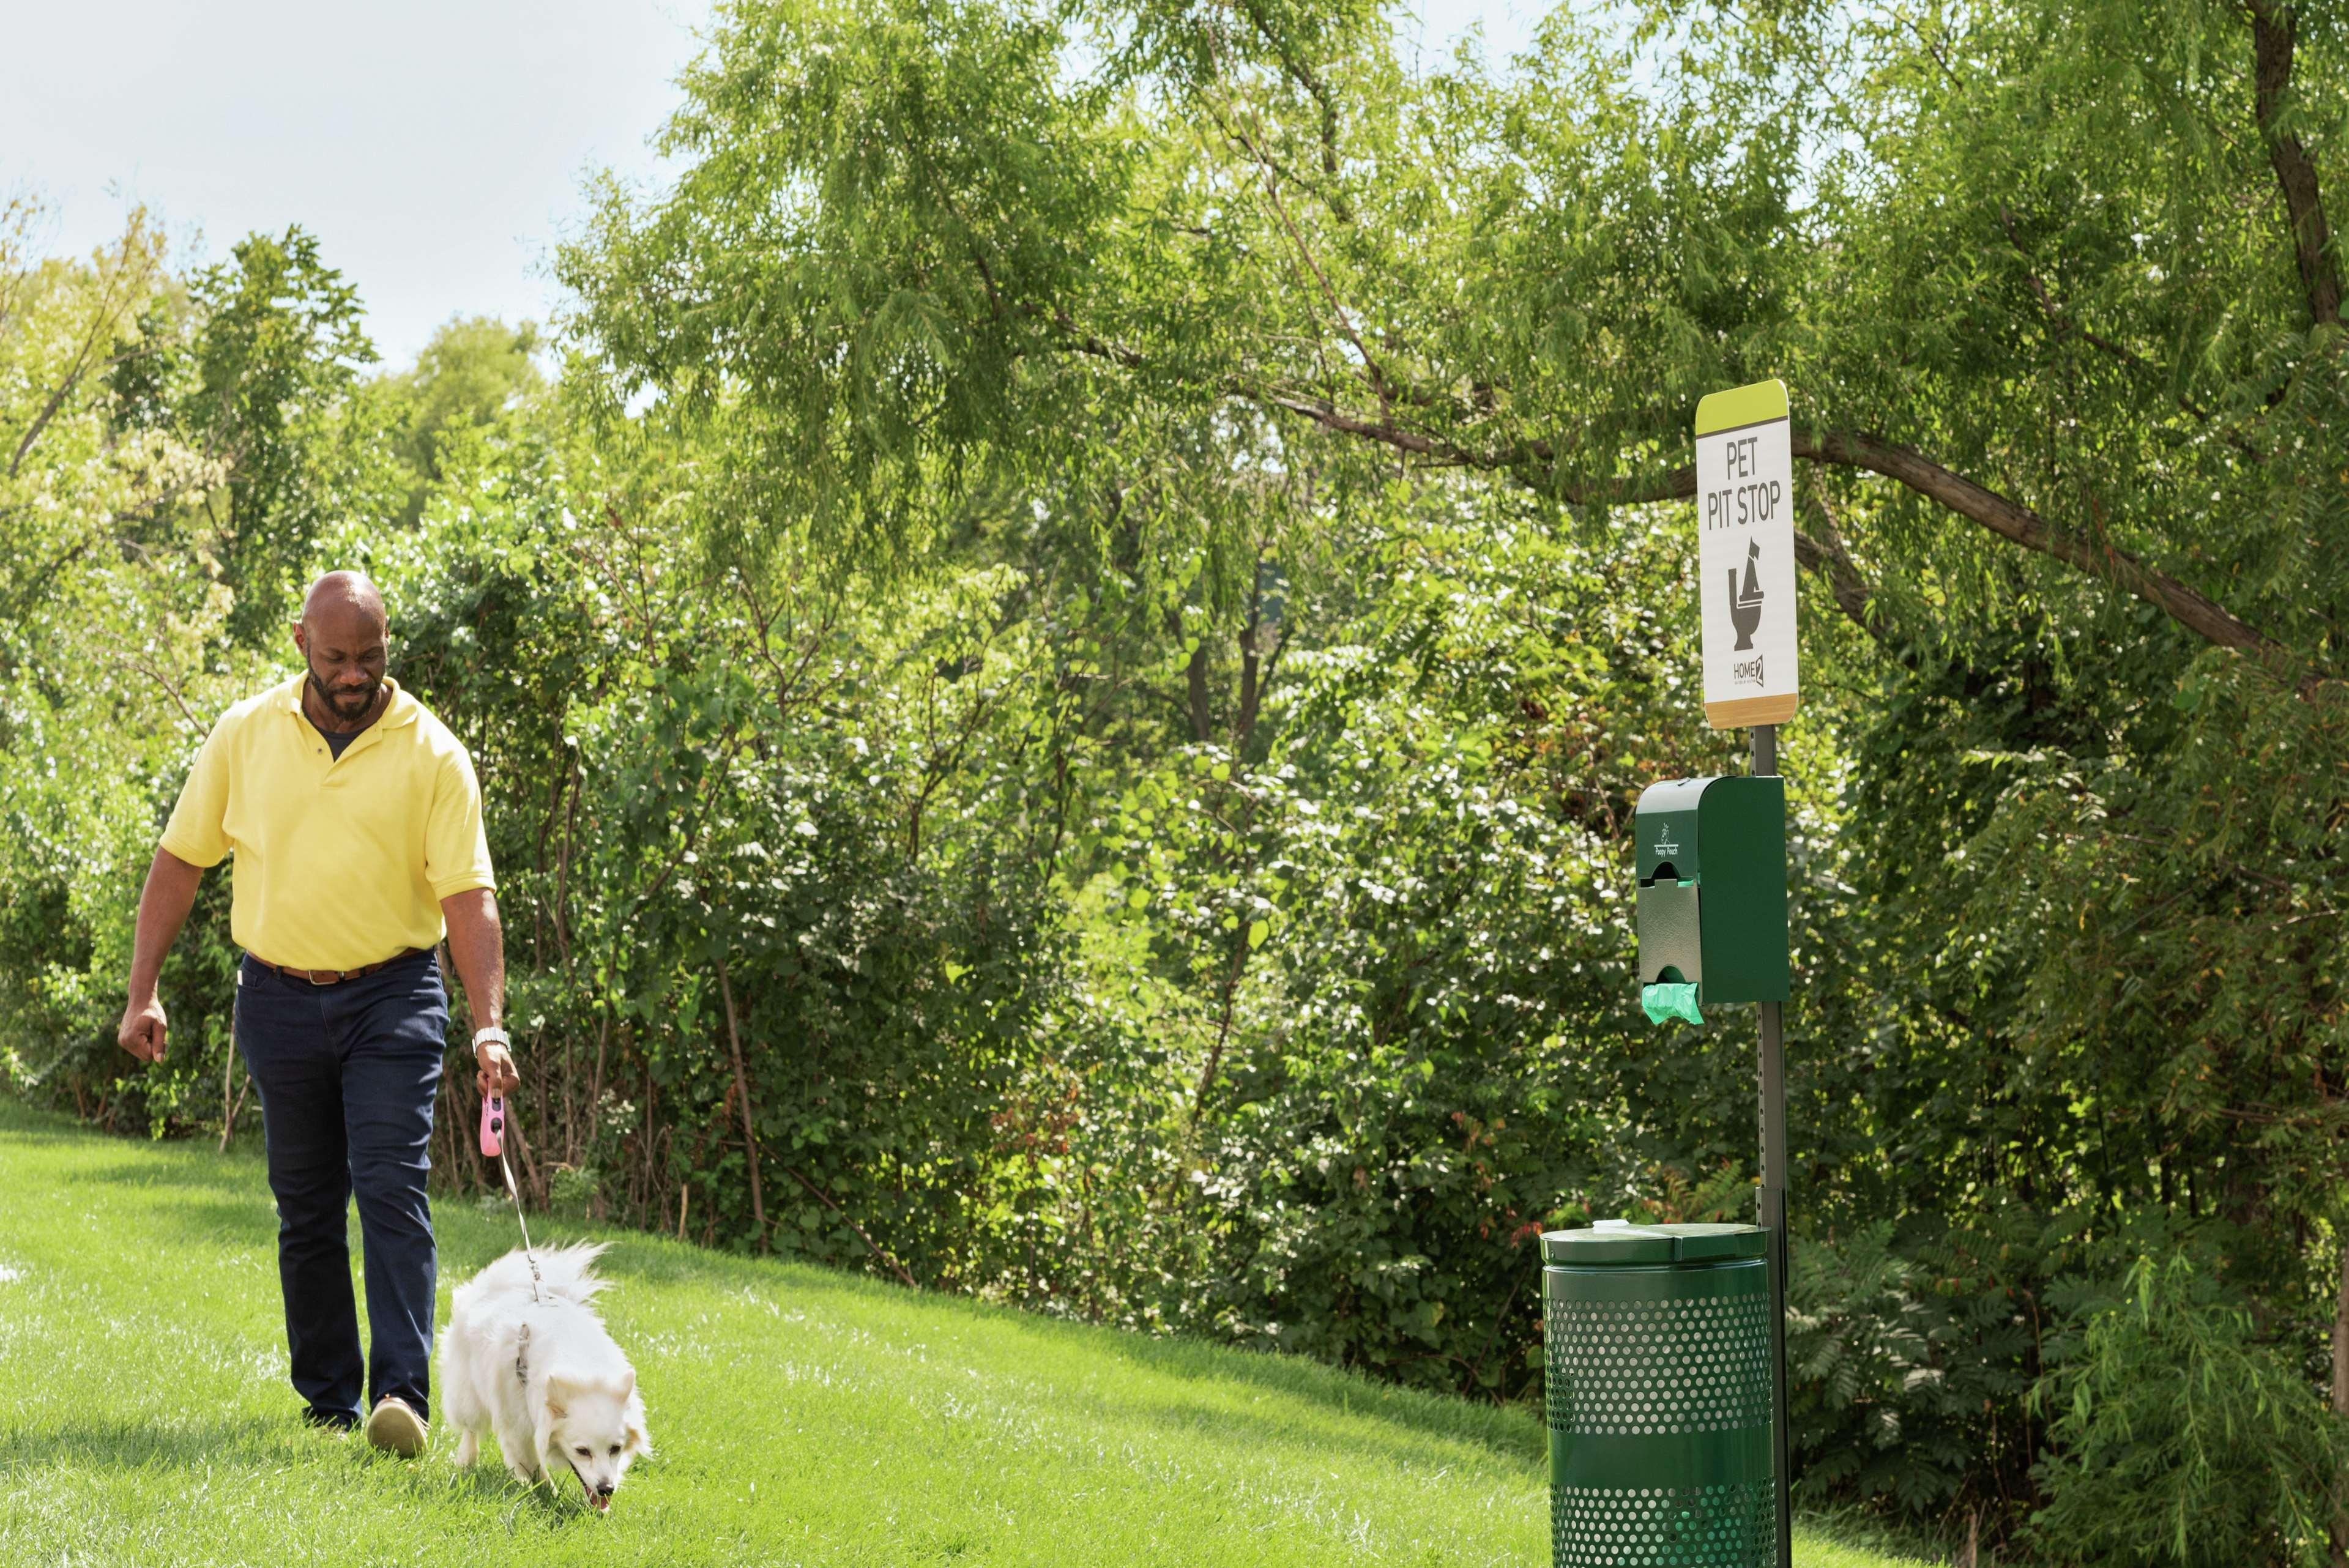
(347, 708)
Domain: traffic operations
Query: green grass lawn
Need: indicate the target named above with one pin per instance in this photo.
(800, 1417)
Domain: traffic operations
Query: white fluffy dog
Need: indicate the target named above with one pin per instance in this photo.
(538, 1372)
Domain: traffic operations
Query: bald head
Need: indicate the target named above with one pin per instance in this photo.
(346, 591)
(342, 635)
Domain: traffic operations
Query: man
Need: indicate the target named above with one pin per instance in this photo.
(355, 823)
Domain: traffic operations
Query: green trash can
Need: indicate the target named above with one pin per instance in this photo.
(1658, 1381)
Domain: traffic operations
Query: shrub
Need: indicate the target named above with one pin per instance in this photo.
(2177, 1435)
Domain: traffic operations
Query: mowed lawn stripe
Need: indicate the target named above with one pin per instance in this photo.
(800, 1416)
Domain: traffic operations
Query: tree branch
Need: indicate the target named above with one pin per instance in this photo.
(2274, 30)
(143, 666)
(104, 317)
(1843, 581)
(824, 1198)
(701, 815)
(1379, 382)
(2011, 520)
(1086, 343)
(742, 1093)
(1826, 556)
(1299, 72)
(1530, 462)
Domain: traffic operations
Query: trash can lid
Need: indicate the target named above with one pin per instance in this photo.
(1621, 1242)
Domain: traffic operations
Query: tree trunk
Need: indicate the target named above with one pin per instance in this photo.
(1251, 690)
(2341, 1337)
(742, 1093)
(1195, 677)
(2341, 1390)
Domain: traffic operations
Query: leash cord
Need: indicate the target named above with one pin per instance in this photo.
(528, 1256)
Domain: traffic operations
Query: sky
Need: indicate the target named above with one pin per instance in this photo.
(438, 149)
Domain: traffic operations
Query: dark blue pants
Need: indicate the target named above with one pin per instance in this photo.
(347, 1074)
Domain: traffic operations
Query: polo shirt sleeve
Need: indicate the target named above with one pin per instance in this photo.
(456, 843)
(197, 833)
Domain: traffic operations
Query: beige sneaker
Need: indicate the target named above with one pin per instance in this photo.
(395, 1427)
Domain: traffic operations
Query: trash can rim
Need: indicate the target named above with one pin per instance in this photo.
(1617, 1242)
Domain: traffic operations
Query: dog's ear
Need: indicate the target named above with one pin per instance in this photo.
(638, 1439)
(627, 1384)
(558, 1399)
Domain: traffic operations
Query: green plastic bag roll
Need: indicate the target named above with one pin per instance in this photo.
(1670, 1002)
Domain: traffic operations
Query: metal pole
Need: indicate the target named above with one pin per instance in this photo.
(1772, 1214)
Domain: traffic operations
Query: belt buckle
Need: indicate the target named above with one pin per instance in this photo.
(312, 976)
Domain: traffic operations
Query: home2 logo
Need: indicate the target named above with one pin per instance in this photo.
(1745, 615)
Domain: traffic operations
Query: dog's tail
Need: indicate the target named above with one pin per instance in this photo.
(565, 1273)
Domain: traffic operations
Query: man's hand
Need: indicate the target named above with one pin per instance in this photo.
(143, 1029)
(163, 905)
(497, 1075)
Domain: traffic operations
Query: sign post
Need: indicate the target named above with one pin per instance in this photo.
(1745, 594)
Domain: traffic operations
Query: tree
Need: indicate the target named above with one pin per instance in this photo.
(471, 373)
(279, 346)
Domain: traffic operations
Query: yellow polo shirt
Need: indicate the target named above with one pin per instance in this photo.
(342, 860)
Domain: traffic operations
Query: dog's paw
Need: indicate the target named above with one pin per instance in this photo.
(468, 1449)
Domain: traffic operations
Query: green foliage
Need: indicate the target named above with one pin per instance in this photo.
(279, 347)
(903, 295)
(2179, 1435)
(1907, 1365)
(107, 624)
(1380, 1121)
(471, 373)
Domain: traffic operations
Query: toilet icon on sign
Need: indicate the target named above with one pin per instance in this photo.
(1745, 603)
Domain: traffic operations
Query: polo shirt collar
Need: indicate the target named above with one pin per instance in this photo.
(400, 712)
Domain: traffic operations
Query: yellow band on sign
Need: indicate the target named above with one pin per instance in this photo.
(1740, 405)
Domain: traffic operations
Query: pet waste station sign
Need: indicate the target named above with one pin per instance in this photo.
(1745, 556)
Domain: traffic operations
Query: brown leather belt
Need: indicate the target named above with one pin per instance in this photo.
(334, 976)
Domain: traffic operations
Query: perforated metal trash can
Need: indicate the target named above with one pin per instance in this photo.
(1657, 1344)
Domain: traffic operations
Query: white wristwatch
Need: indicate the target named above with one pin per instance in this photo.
(492, 1033)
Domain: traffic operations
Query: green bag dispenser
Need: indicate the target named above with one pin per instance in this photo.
(1712, 887)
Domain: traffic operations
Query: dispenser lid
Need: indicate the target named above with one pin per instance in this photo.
(1613, 1241)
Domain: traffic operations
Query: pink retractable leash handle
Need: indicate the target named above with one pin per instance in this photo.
(493, 1127)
